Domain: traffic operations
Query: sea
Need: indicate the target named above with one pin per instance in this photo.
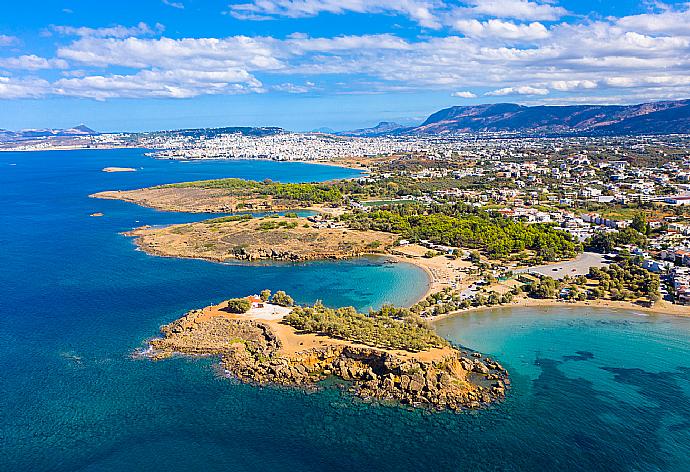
(592, 390)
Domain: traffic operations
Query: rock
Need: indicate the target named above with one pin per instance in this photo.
(384, 376)
(480, 368)
(417, 383)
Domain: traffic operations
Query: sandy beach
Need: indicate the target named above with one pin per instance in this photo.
(661, 308)
(444, 273)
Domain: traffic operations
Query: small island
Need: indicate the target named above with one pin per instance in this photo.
(118, 169)
(389, 355)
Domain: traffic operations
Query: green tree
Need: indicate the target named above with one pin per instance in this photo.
(238, 305)
(639, 223)
(265, 295)
(283, 299)
(545, 288)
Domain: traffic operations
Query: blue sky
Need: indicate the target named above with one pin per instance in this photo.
(304, 64)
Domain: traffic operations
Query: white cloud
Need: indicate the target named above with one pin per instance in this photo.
(521, 90)
(32, 62)
(428, 13)
(569, 85)
(6, 40)
(501, 29)
(516, 9)
(170, 3)
(119, 31)
(669, 21)
(615, 56)
(159, 84)
(417, 10)
(293, 88)
(13, 88)
(198, 53)
(464, 94)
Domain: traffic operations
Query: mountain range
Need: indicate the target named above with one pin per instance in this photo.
(81, 130)
(668, 117)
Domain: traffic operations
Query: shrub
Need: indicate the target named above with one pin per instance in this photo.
(238, 305)
(283, 299)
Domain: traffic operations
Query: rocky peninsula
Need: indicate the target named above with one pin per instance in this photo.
(229, 196)
(245, 238)
(260, 348)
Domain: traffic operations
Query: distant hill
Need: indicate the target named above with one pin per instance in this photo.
(81, 130)
(383, 128)
(324, 130)
(667, 117)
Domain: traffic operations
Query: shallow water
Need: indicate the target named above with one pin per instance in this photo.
(599, 390)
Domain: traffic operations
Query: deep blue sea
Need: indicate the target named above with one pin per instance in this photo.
(592, 390)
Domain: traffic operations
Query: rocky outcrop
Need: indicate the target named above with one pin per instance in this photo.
(373, 374)
(263, 253)
(196, 334)
(251, 352)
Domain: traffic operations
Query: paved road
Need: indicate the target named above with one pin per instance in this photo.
(578, 266)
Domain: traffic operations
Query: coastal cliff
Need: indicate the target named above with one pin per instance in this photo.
(266, 352)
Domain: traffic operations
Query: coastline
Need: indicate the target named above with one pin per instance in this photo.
(439, 270)
(69, 148)
(666, 309)
(343, 165)
(434, 270)
(435, 285)
(258, 347)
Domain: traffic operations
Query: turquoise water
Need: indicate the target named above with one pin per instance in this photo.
(608, 391)
(592, 389)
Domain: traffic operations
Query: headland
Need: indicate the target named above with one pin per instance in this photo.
(393, 358)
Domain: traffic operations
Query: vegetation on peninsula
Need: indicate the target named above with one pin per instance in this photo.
(387, 328)
(312, 193)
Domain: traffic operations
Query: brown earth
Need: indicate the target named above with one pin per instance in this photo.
(199, 200)
(220, 240)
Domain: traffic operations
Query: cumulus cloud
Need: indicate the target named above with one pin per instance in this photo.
(159, 84)
(13, 88)
(501, 29)
(32, 62)
(428, 13)
(515, 54)
(417, 10)
(569, 85)
(464, 94)
(516, 9)
(198, 53)
(669, 21)
(522, 90)
(119, 31)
